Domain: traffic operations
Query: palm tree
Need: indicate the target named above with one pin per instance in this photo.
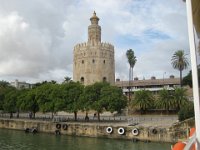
(143, 100)
(180, 62)
(67, 79)
(164, 100)
(131, 60)
(179, 98)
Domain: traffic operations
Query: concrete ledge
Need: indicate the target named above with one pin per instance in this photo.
(156, 134)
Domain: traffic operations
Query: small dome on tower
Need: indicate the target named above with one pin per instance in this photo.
(94, 18)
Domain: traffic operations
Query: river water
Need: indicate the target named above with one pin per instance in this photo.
(19, 140)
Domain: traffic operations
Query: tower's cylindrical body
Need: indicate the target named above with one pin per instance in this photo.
(94, 61)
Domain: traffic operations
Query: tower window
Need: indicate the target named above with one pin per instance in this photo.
(93, 61)
(104, 79)
(82, 61)
(104, 61)
(82, 79)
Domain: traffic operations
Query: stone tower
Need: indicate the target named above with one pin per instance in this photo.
(94, 60)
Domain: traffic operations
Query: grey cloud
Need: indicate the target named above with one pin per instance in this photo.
(39, 48)
(39, 43)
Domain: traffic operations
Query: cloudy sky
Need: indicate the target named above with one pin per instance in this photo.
(37, 36)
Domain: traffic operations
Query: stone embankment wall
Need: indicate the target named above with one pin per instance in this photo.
(181, 130)
(156, 134)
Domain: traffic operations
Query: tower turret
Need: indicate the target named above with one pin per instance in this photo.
(94, 30)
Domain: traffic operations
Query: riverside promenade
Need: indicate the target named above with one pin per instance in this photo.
(155, 128)
(106, 118)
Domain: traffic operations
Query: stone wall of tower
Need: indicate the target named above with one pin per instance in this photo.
(94, 60)
(94, 63)
(94, 33)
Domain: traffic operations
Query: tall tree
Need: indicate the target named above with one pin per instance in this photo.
(4, 89)
(21, 93)
(84, 102)
(10, 100)
(131, 60)
(180, 62)
(28, 101)
(113, 99)
(71, 93)
(45, 97)
(143, 100)
(93, 97)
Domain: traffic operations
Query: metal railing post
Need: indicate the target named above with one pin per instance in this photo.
(194, 70)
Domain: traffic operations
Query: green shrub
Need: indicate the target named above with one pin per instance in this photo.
(186, 111)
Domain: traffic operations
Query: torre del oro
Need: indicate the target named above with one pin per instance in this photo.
(94, 60)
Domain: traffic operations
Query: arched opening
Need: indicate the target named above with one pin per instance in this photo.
(93, 61)
(104, 79)
(82, 61)
(82, 80)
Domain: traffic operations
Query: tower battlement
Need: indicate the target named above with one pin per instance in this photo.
(85, 45)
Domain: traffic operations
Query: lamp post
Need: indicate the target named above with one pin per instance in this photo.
(163, 78)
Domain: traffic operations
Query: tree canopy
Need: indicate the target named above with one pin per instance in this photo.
(9, 104)
(113, 99)
(165, 100)
(143, 100)
(187, 80)
(179, 98)
(71, 93)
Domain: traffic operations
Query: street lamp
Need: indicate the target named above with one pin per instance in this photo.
(163, 78)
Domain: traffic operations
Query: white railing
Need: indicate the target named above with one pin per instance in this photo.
(191, 141)
(194, 70)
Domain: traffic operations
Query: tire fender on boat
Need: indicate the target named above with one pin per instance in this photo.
(58, 126)
(65, 126)
(135, 131)
(153, 130)
(121, 131)
(34, 130)
(109, 130)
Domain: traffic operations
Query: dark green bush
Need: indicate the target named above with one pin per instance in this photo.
(186, 111)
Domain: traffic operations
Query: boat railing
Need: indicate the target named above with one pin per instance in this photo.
(191, 141)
